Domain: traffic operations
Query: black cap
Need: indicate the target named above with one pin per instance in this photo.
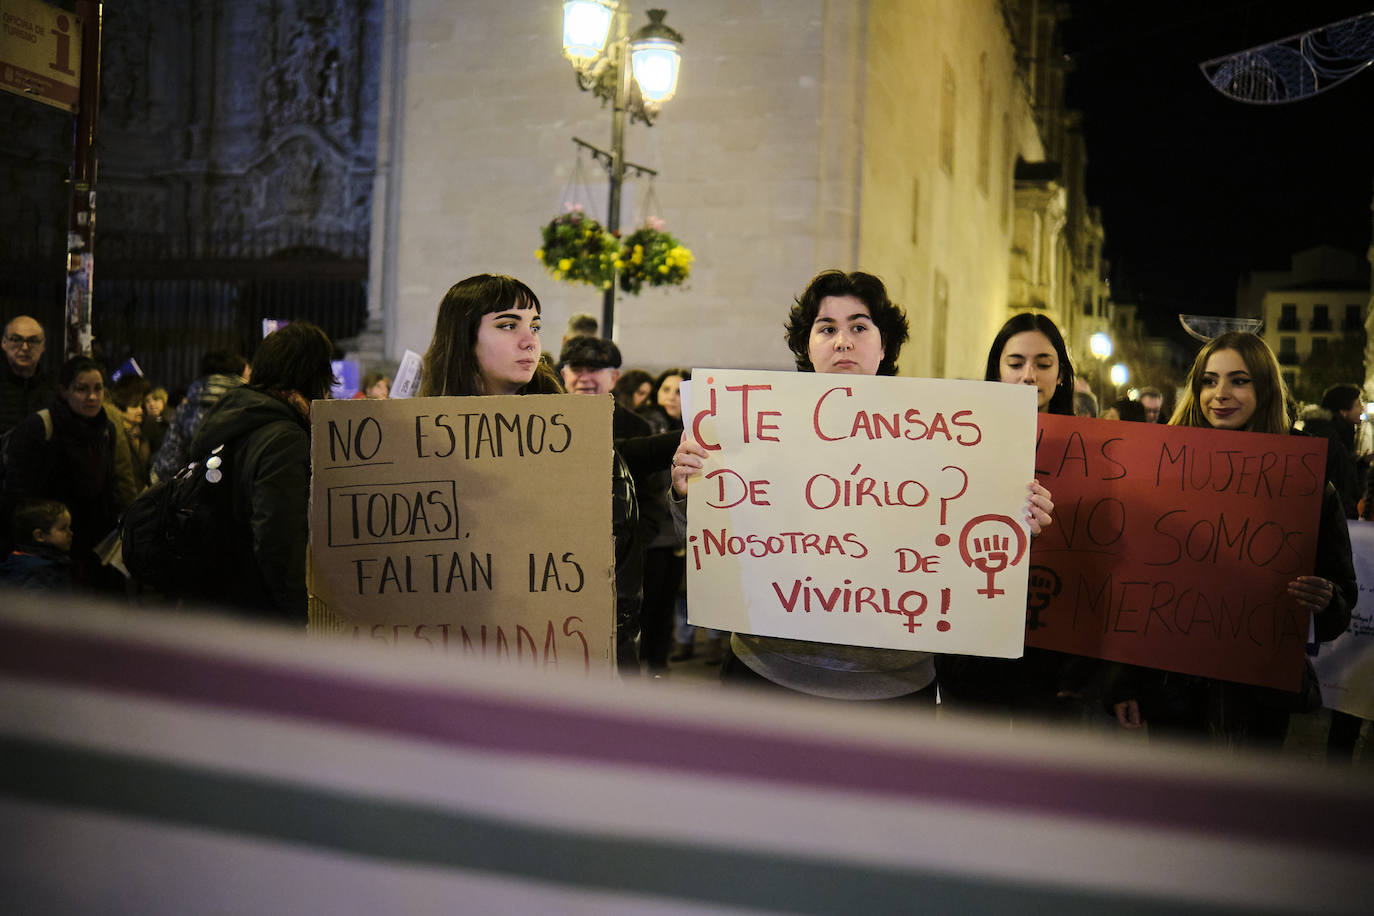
(590, 353)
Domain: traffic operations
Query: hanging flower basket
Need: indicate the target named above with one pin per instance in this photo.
(652, 256)
(577, 249)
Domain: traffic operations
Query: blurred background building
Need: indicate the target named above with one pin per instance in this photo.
(348, 160)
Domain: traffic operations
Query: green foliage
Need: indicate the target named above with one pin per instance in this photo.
(577, 249)
(652, 256)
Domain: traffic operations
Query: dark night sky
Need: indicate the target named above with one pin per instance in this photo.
(1197, 189)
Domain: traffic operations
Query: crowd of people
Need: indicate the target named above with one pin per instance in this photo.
(79, 448)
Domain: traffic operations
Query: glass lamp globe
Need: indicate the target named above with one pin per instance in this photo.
(1100, 345)
(1120, 374)
(586, 23)
(655, 64)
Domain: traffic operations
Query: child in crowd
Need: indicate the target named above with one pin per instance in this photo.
(43, 535)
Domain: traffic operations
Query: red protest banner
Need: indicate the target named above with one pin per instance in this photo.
(1172, 547)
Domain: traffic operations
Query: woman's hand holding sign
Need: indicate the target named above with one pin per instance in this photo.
(1311, 592)
(1039, 508)
(688, 461)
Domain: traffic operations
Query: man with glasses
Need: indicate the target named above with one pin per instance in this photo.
(23, 388)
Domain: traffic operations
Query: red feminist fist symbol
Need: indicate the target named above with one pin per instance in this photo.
(989, 553)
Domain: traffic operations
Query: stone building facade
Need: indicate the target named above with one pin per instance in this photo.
(348, 160)
(236, 148)
(882, 135)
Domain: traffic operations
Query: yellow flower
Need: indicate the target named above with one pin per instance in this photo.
(618, 263)
(663, 268)
(564, 263)
(605, 284)
(539, 254)
(558, 275)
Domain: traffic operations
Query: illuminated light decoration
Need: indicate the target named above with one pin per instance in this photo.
(1100, 345)
(654, 59)
(1297, 67)
(655, 66)
(1120, 374)
(586, 23)
(1206, 327)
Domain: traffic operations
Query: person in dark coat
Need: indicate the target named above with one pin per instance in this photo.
(69, 457)
(1335, 420)
(24, 387)
(266, 429)
(42, 531)
(220, 372)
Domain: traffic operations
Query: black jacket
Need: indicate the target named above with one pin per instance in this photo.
(75, 467)
(20, 396)
(1341, 468)
(268, 456)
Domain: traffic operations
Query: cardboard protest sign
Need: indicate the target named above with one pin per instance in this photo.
(467, 525)
(1172, 547)
(1345, 666)
(865, 511)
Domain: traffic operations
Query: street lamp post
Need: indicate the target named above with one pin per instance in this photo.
(635, 74)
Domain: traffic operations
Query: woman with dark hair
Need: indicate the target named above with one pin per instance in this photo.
(1235, 384)
(486, 341)
(633, 389)
(66, 453)
(1125, 409)
(1029, 350)
(879, 312)
(664, 558)
(265, 430)
(844, 324)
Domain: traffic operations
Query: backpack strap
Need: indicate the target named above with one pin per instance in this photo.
(46, 416)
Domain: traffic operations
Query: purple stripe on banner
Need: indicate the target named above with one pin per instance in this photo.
(1132, 800)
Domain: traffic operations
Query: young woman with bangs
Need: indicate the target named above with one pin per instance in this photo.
(486, 342)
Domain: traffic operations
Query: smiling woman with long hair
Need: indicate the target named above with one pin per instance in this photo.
(1235, 384)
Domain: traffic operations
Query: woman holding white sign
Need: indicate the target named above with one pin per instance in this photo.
(1235, 384)
(1028, 350)
(844, 323)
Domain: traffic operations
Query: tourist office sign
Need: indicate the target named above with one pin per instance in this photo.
(40, 53)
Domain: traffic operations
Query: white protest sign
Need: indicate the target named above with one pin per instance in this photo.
(861, 510)
(477, 526)
(407, 383)
(1345, 666)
